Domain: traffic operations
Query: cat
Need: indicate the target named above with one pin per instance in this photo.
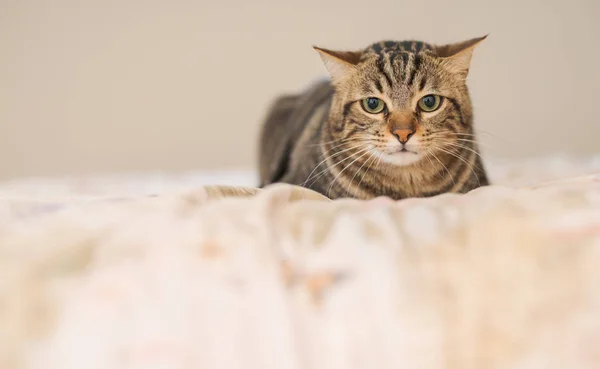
(394, 120)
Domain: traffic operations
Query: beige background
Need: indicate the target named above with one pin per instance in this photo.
(102, 86)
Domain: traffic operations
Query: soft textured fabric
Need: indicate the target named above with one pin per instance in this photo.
(219, 277)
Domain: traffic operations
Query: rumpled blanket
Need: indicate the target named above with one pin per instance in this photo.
(239, 278)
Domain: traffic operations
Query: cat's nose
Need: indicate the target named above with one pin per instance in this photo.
(403, 135)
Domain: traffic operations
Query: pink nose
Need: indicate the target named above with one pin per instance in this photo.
(403, 135)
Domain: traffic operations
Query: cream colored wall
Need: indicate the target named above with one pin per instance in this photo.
(102, 85)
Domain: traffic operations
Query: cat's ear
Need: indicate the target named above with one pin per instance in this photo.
(338, 63)
(458, 55)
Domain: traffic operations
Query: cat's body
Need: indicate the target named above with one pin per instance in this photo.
(370, 130)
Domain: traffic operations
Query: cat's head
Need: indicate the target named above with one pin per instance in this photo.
(405, 101)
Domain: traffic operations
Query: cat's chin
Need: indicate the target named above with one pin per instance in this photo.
(401, 158)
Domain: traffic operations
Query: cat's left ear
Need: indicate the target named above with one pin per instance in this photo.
(458, 55)
(338, 63)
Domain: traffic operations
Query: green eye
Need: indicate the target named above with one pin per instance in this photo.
(373, 105)
(429, 103)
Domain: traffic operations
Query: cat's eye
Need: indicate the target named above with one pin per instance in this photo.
(373, 105)
(429, 103)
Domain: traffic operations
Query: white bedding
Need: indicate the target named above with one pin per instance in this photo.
(501, 171)
(503, 277)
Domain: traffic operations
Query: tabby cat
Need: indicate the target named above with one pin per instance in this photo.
(393, 120)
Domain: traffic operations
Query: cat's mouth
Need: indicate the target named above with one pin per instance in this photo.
(400, 151)
(401, 156)
(404, 150)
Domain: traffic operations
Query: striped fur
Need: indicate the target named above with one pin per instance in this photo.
(324, 140)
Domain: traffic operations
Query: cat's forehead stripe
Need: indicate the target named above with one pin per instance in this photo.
(399, 46)
(398, 67)
(381, 67)
(377, 48)
(422, 83)
(389, 44)
(378, 86)
(416, 62)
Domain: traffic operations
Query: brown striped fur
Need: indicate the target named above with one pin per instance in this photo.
(324, 140)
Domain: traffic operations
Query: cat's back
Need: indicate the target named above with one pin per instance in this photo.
(286, 121)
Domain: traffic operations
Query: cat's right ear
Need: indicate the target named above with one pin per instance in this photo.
(338, 63)
(458, 55)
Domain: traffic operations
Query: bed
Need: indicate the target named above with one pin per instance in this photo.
(203, 270)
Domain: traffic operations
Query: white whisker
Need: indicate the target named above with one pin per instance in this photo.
(443, 166)
(327, 158)
(462, 159)
(346, 167)
(355, 173)
(324, 171)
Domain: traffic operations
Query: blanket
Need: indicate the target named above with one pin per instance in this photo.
(505, 276)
